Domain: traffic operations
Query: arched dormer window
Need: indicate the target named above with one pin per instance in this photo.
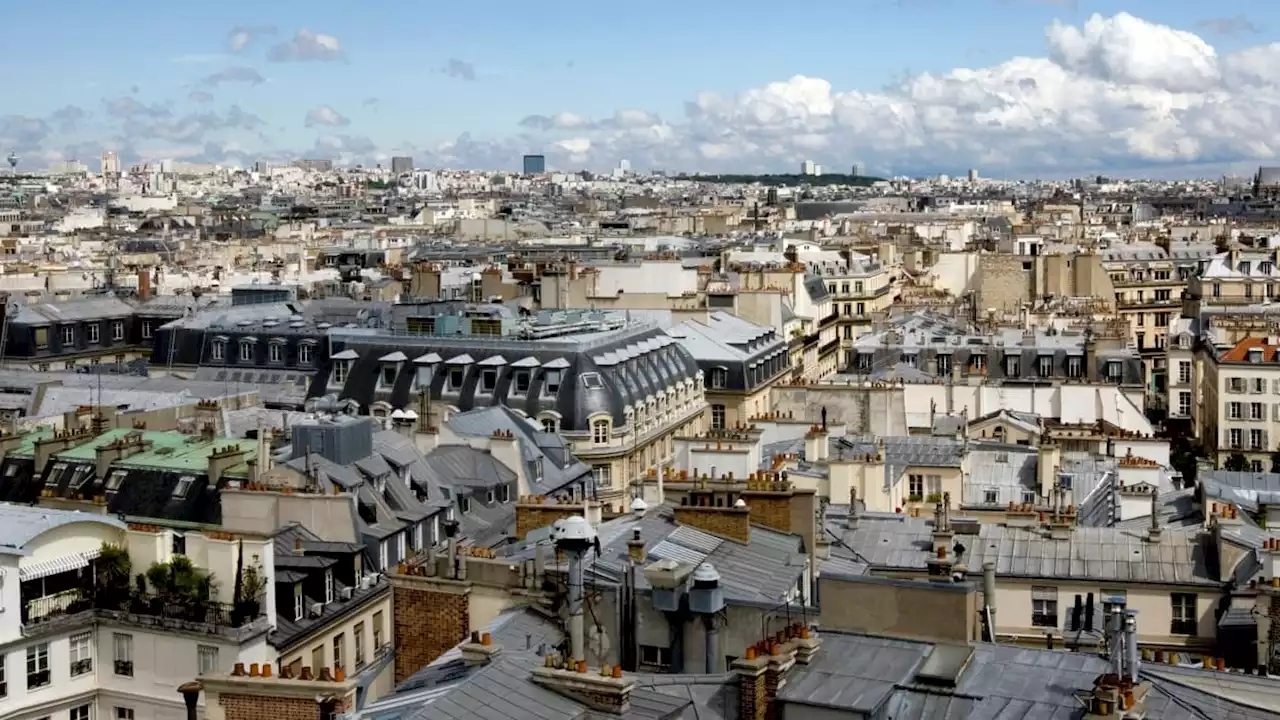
(600, 431)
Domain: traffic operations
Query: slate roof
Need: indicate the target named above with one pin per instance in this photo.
(1182, 557)
(20, 524)
(549, 464)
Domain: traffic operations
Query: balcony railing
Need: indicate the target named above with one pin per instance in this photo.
(124, 667)
(149, 607)
(1183, 627)
(80, 667)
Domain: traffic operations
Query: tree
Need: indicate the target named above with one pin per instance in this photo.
(1236, 462)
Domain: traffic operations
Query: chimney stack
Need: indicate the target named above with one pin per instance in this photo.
(989, 598)
(144, 283)
(574, 536)
(1153, 532)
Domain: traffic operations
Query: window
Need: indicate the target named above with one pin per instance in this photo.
(305, 353)
(37, 666)
(1029, 497)
(340, 371)
(124, 713)
(464, 504)
(184, 486)
(79, 712)
(91, 330)
(549, 424)
(504, 491)
(717, 417)
(297, 601)
(1185, 617)
(275, 353)
(246, 351)
(1044, 606)
(122, 652)
(1113, 601)
(1045, 365)
(4, 682)
(1256, 440)
(1235, 384)
(719, 377)
(146, 329)
(115, 479)
(328, 586)
(1235, 410)
(857, 288)
(600, 431)
(1011, 366)
(317, 658)
(357, 635)
(68, 335)
(978, 362)
(218, 350)
(1184, 403)
(1257, 411)
(1259, 385)
(1075, 366)
(552, 382)
(915, 487)
(655, 656)
(1114, 371)
(388, 375)
(522, 382)
(602, 475)
(338, 641)
(207, 659)
(488, 380)
(456, 376)
(377, 630)
(81, 654)
(991, 496)
(117, 330)
(1184, 372)
(1234, 436)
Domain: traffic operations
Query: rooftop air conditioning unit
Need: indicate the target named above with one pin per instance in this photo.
(345, 593)
(315, 609)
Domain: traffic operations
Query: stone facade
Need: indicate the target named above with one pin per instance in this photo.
(430, 615)
(727, 522)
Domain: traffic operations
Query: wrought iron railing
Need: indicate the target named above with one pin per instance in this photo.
(148, 605)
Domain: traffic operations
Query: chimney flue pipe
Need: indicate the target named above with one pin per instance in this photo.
(1131, 644)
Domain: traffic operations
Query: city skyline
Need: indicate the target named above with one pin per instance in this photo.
(1017, 88)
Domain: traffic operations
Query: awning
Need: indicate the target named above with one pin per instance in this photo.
(66, 563)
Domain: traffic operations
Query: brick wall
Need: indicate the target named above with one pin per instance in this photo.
(770, 509)
(531, 516)
(429, 616)
(259, 707)
(751, 691)
(729, 522)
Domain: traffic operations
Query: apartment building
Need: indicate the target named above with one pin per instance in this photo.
(1241, 411)
(80, 639)
(617, 391)
(1233, 278)
(740, 363)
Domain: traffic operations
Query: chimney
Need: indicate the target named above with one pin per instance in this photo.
(733, 523)
(537, 511)
(851, 520)
(481, 650)
(144, 283)
(635, 548)
(429, 615)
(942, 533)
(1048, 462)
(782, 657)
(940, 565)
(606, 691)
(222, 459)
(1153, 532)
(750, 670)
(246, 696)
(574, 537)
(813, 442)
(706, 599)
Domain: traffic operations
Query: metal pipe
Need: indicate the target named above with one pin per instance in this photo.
(1115, 642)
(1131, 644)
(713, 644)
(575, 606)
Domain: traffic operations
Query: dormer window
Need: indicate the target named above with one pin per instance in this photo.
(117, 330)
(456, 376)
(388, 374)
(218, 349)
(551, 381)
(306, 353)
(340, 370)
(328, 586)
(1245, 267)
(600, 431)
(1114, 370)
(464, 504)
(1255, 355)
(1045, 363)
(1011, 366)
(246, 351)
(184, 486)
(521, 382)
(92, 330)
(488, 380)
(297, 602)
(719, 377)
(275, 351)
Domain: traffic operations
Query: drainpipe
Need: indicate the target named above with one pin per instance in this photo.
(989, 598)
(1116, 644)
(713, 643)
(1131, 644)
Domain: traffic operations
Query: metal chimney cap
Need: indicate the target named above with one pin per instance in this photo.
(739, 503)
(706, 573)
(639, 506)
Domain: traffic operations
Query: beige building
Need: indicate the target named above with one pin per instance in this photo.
(1241, 402)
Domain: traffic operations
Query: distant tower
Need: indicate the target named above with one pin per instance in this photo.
(13, 162)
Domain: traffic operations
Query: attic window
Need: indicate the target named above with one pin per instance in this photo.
(464, 504)
(115, 479)
(389, 374)
(718, 377)
(488, 380)
(184, 485)
(522, 382)
(591, 381)
(55, 474)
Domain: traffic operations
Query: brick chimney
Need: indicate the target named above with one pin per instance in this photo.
(733, 523)
(751, 696)
(430, 614)
(222, 459)
(538, 511)
(144, 283)
(481, 650)
(258, 695)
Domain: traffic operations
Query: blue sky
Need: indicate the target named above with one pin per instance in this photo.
(511, 60)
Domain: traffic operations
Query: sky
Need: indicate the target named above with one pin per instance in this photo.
(1013, 88)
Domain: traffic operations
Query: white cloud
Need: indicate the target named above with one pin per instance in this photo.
(325, 116)
(306, 46)
(1114, 92)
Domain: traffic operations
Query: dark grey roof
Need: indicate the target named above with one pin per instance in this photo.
(549, 466)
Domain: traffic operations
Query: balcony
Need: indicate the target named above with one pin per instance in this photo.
(139, 608)
(124, 667)
(1142, 303)
(81, 667)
